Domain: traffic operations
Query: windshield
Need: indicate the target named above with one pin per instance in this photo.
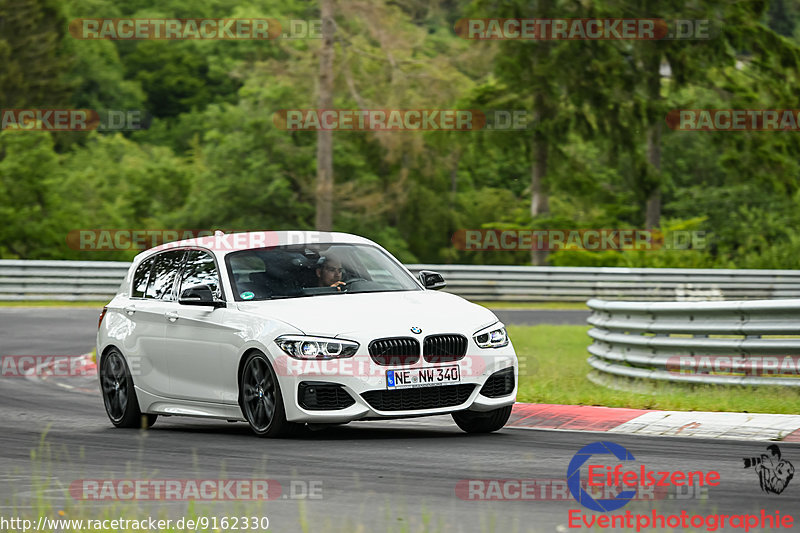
(314, 269)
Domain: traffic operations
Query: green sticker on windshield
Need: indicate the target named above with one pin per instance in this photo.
(247, 295)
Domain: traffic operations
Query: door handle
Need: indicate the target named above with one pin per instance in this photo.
(171, 316)
(129, 310)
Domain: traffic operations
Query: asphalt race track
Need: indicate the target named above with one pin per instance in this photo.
(367, 476)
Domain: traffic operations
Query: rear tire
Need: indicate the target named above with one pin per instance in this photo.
(119, 395)
(262, 401)
(486, 422)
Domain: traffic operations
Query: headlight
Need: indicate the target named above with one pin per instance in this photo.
(496, 338)
(302, 347)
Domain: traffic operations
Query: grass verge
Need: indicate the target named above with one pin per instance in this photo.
(553, 369)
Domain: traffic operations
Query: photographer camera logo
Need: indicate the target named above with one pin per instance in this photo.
(774, 473)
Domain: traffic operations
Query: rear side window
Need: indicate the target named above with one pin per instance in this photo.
(200, 269)
(163, 276)
(140, 278)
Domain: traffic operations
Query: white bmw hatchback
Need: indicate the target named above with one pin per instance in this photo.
(280, 329)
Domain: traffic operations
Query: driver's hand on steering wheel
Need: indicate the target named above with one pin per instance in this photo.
(338, 285)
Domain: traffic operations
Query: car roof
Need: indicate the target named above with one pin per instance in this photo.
(224, 243)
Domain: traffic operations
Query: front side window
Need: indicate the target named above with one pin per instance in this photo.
(200, 269)
(314, 269)
(163, 277)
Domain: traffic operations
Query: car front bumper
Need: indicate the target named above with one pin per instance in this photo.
(358, 375)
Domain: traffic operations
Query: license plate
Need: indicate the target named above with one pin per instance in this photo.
(422, 377)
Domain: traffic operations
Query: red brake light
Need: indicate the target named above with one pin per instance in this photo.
(102, 316)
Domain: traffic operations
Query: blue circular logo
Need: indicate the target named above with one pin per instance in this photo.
(247, 295)
(416, 330)
(574, 476)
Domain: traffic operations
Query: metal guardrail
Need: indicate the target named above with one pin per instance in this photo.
(736, 342)
(60, 280)
(99, 280)
(578, 284)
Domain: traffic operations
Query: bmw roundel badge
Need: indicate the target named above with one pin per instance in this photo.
(416, 330)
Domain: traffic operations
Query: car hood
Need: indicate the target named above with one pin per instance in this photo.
(376, 314)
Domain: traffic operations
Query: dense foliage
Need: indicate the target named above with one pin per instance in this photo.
(212, 157)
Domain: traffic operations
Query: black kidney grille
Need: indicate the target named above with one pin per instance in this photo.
(323, 396)
(395, 351)
(418, 398)
(499, 384)
(444, 348)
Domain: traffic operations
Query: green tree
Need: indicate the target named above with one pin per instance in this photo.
(34, 64)
(29, 168)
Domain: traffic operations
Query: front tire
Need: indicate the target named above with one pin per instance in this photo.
(119, 395)
(262, 401)
(475, 422)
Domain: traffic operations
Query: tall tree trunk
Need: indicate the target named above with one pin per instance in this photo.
(653, 214)
(540, 202)
(324, 203)
(652, 217)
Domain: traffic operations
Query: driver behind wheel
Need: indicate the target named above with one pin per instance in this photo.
(329, 272)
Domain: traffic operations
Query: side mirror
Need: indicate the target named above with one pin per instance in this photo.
(431, 280)
(199, 295)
